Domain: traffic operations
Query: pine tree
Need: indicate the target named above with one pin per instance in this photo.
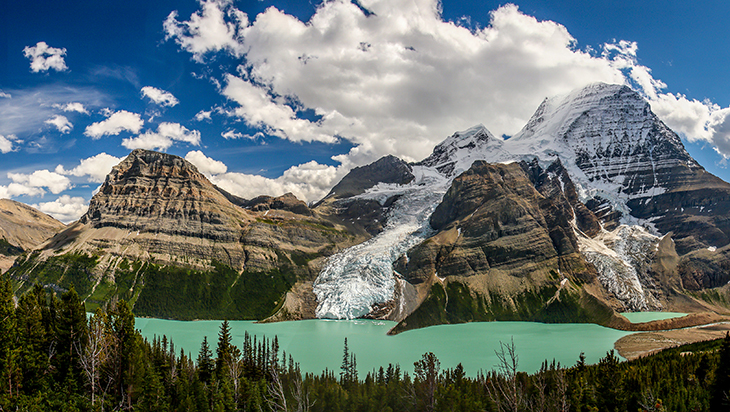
(7, 337)
(72, 335)
(345, 368)
(224, 350)
(205, 362)
(721, 387)
(32, 341)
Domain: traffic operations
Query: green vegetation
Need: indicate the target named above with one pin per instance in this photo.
(457, 304)
(171, 292)
(9, 250)
(102, 363)
(70, 270)
(183, 293)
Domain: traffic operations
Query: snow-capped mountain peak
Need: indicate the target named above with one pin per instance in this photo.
(457, 152)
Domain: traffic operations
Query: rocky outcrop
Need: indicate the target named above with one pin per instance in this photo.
(366, 214)
(388, 169)
(502, 246)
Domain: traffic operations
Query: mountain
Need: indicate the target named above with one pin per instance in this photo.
(593, 208)
(160, 235)
(22, 228)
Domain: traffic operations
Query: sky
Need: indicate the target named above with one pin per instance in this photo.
(269, 96)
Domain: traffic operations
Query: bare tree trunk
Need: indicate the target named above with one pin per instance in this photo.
(277, 398)
(93, 355)
(504, 389)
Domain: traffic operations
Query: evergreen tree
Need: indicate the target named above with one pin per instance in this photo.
(127, 353)
(71, 337)
(205, 362)
(721, 387)
(8, 356)
(345, 367)
(426, 378)
(32, 341)
(224, 350)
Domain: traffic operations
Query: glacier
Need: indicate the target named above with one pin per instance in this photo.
(355, 279)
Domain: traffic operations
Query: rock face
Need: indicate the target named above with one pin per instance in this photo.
(504, 251)
(22, 228)
(159, 234)
(363, 213)
(633, 164)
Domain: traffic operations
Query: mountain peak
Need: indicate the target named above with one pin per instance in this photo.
(162, 193)
(457, 152)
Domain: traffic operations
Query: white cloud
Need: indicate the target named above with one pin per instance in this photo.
(165, 136)
(32, 184)
(207, 30)
(205, 164)
(67, 209)
(310, 182)
(6, 145)
(397, 81)
(61, 122)
(158, 96)
(43, 57)
(5, 95)
(203, 115)
(401, 79)
(95, 168)
(232, 135)
(116, 123)
(72, 107)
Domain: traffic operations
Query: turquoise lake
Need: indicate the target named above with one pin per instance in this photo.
(318, 344)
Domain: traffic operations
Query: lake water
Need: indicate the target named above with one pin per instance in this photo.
(640, 317)
(318, 344)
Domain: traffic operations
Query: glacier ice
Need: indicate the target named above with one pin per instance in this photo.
(360, 276)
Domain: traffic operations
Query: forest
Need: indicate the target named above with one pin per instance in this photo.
(54, 357)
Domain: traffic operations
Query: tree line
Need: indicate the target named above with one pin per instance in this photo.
(54, 357)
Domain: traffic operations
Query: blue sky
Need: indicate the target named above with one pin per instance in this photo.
(267, 97)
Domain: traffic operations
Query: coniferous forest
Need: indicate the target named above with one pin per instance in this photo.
(53, 357)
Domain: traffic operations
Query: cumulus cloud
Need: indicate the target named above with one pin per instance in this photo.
(215, 27)
(400, 79)
(397, 81)
(72, 107)
(61, 123)
(33, 184)
(165, 136)
(43, 57)
(6, 145)
(114, 124)
(67, 209)
(95, 168)
(310, 182)
(160, 97)
(203, 115)
(205, 164)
